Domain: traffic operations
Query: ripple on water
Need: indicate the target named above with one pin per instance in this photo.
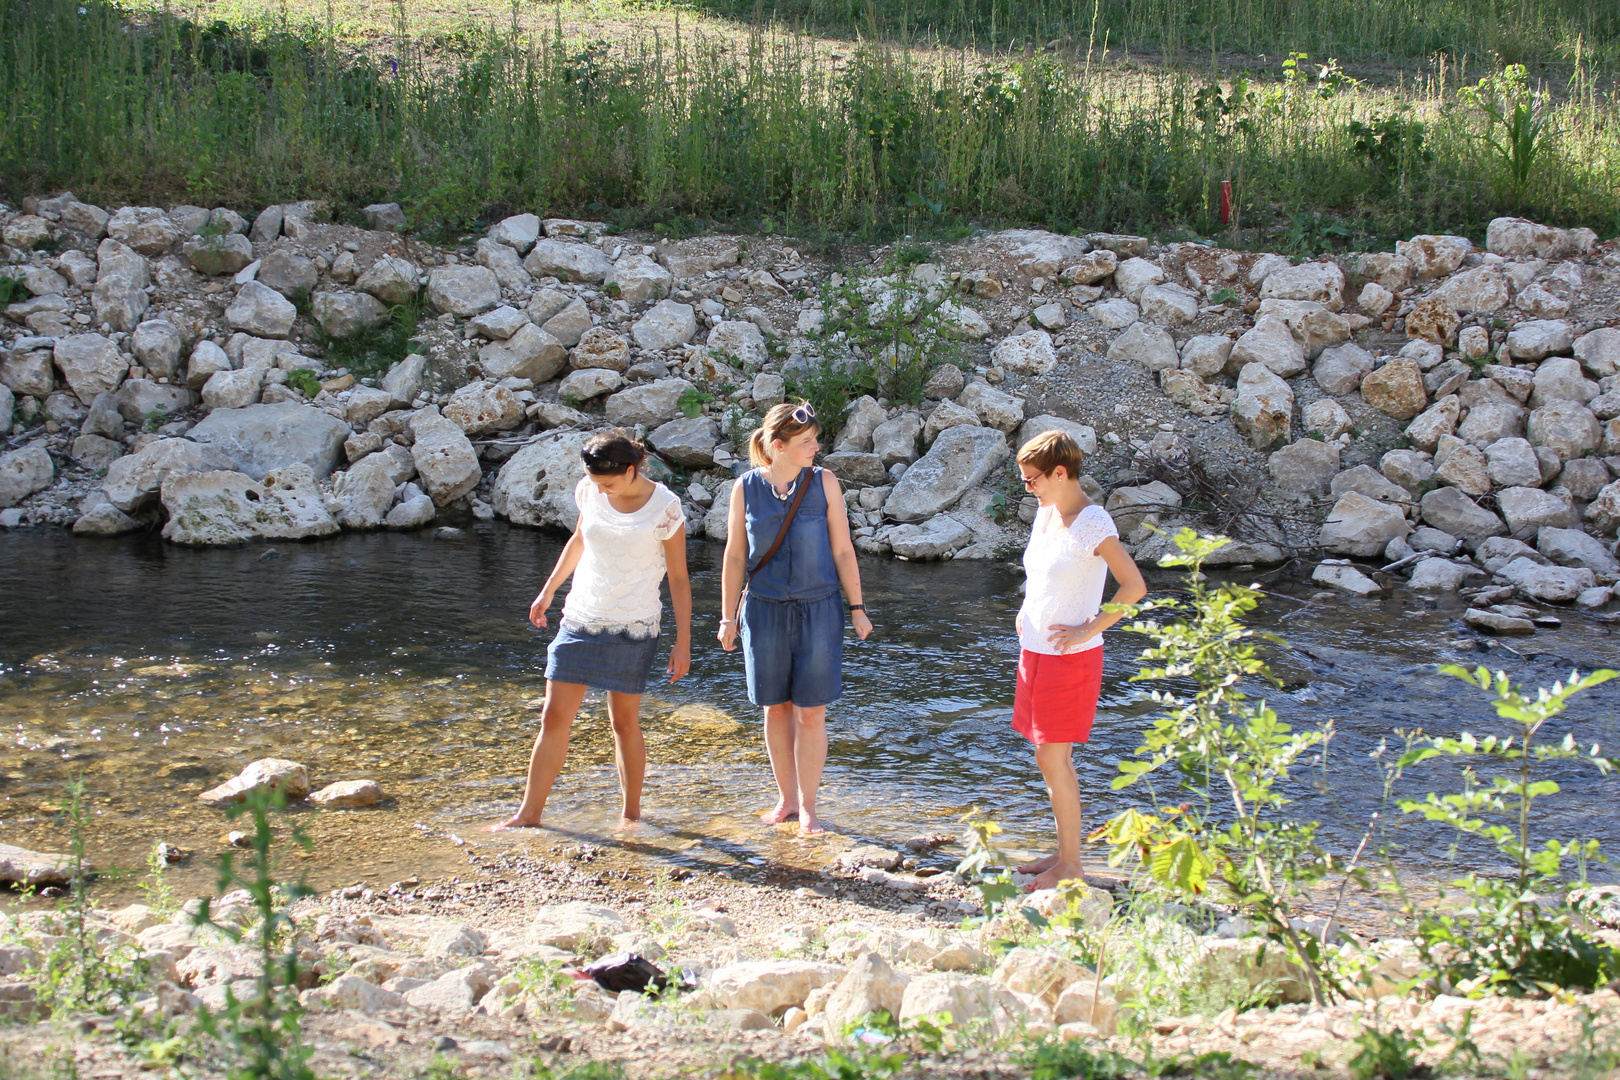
(155, 672)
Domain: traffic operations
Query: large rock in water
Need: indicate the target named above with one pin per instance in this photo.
(259, 438)
(134, 479)
(960, 459)
(19, 866)
(445, 459)
(23, 472)
(536, 485)
(289, 777)
(213, 508)
(1361, 526)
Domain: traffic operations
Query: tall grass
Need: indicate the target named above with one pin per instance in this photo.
(768, 132)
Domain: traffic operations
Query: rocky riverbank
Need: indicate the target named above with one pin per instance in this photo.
(778, 962)
(1448, 412)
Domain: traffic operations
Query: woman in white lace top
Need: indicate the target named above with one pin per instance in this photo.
(1073, 546)
(631, 533)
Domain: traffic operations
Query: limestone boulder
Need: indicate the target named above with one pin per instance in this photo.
(1136, 509)
(895, 440)
(391, 279)
(1339, 370)
(1026, 354)
(1270, 342)
(482, 407)
(1206, 355)
(348, 795)
(536, 485)
(119, 297)
(1560, 378)
(1307, 466)
(23, 472)
(225, 507)
(1603, 514)
(567, 261)
(1551, 584)
(1150, 346)
(518, 232)
(665, 325)
(1392, 271)
(20, 867)
(232, 389)
(650, 404)
(688, 441)
(1396, 389)
(587, 384)
(1584, 478)
(288, 272)
(145, 229)
(1327, 418)
(1465, 468)
(463, 291)
(1264, 407)
(996, 409)
(1042, 254)
(1568, 428)
(769, 986)
(135, 479)
(1083, 434)
(1433, 257)
(90, 364)
(1361, 527)
(365, 493)
(1512, 462)
(601, 348)
(937, 538)
(1528, 510)
(261, 311)
(639, 279)
(1451, 511)
(1491, 420)
(739, 339)
(1039, 973)
(1135, 274)
(138, 400)
(214, 255)
(256, 439)
(1433, 320)
(1540, 338)
(1599, 352)
(570, 323)
(1167, 305)
(157, 344)
(1437, 420)
(869, 986)
(446, 463)
(1572, 547)
(455, 993)
(946, 415)
(348, 314)
(1320, 282)
(968, 999)
(406, 380)
(29, 371)
(960, 458)
(1516, 238)
(531, 353)
(505, 263)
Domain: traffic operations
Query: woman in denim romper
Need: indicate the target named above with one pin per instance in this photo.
(792, 622)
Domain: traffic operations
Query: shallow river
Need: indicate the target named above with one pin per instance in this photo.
(155, 672)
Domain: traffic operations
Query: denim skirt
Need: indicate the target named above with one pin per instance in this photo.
(793, 650)
(613, 662)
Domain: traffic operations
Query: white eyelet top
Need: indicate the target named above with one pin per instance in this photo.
(1064, 577)
(615, 586)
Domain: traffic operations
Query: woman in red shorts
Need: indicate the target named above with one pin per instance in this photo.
(1073, 546)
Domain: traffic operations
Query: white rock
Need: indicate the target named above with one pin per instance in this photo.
(1150, 346)
(352, 992)
(536, 485)
(1327, 418)
(1115, 314)
(1540, 338)
(90, 364)
(870, 986)
(665, 325)
(1339, 370)
(1168, 305)
(531, 353)
(406, 380)
(230, 507)
(1206, 355)
(959, 459)
(232, 389)
(260, 438)
(1083, 434)
(1305, 466)
(1433, 257)
(1026, 354)
(504, 263)
(390, 279)
(567, 261)
(1553, 584)
(1134, 275)
(455, 993)
(1572, 547)
(463, 290)
(156, 343)
(1361, 526)
(687, 441)
(769, 986)
(1439, 575)
(1346, 577)
(1517, 238)
(1374, 299)
(588, 383)
(1270, 342)
(1264, 407)
(348, 314)
(1526, 510)
(1482, 290)
(23, 472)
(445, 459)
(650, 404)
(261, 311)
(1568, 428)
(935, 539)
(482, 407)
(1319, 282)
(739, 339)
(639, 279)
(276, 774)
(1599, 352)
(518, 232)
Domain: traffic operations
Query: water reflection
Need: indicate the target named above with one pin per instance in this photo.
(156, 672)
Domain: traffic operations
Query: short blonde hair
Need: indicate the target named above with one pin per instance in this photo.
(1050, 449)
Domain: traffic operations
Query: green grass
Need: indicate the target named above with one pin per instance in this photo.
(771, 131)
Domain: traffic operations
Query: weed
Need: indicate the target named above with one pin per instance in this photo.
(1515, 136)
(376, 349)
(692, 401)
(1387, 1054)
(982, 866)
(1231, 757)
(1223, 295)
(1004, 503)
(1052, 1059)
(304, 381)
(262, 1037)
(12, 290)
(159, 897)
(1504, 936)
(864, 1064)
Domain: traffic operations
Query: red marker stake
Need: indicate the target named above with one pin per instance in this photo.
(1226, 202)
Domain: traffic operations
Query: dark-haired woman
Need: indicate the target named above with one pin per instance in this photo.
(630, 533)
(792, 622)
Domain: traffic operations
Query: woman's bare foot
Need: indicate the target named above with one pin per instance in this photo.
(780, 813)
(519, 820)
(1039, 866)
(1054, 875)
(628, 824)
(810, 825)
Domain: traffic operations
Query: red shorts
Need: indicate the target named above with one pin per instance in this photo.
(1057, 696)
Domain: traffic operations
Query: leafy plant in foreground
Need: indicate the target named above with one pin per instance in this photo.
(1505, 935)
(1515, 137)
(263, 1036)
(1230, 755)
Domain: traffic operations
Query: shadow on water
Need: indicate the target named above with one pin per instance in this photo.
(156, 672)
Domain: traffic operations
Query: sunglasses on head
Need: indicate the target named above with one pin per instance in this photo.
(804, 413)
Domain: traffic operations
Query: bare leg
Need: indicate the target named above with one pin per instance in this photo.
(550, 751)
(1056, 761)
(629, 753)
(809, 758)
(779, 744)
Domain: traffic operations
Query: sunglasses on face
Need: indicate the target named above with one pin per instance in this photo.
(804, 414)
(1029, 481)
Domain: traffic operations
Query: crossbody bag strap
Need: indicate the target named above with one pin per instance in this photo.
(787, 523)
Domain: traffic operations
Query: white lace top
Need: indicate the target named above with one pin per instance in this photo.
(615, 587)
(1064, 577)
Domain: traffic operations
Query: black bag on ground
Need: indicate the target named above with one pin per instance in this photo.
(628, 971)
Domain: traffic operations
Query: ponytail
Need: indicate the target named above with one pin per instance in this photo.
(759, 455)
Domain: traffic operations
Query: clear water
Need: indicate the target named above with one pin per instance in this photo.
(155, 672)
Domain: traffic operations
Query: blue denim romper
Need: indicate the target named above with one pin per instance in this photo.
(793, 618)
